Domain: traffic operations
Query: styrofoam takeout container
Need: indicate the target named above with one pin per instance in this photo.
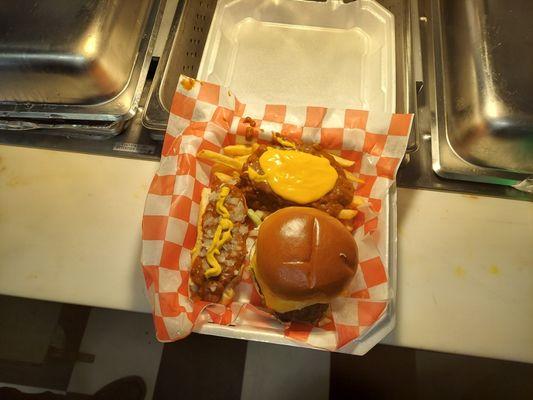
(300, 52)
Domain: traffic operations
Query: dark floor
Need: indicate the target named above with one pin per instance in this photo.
(45, 346)
(386, 372)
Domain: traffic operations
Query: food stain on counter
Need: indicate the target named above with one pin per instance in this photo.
(16, 181)
(494, 270)
(141, 192)
(32, 276)
(11, 180)
(459, 271)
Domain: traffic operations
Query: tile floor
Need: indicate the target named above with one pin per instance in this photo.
(115, 344)
(123, 344)
(285, 373)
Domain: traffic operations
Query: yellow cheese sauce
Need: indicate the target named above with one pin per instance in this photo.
(295, 175)
(222, 234)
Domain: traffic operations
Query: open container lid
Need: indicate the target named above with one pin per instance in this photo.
(298, 52)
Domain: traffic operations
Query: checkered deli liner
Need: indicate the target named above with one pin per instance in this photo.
(207, 116)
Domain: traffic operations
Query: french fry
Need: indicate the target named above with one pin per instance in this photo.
(222, 168)
(227, 296)
(346, 214)
(343, 162)
(237, 150)
(225, 177)
(357, 201)
(283, 141)
(243, 159)
(352, 177)
(220, 159)
(348, 226)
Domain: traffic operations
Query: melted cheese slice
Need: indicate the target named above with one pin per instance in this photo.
(297, 176)
(278, 303)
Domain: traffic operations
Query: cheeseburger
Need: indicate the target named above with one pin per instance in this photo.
(304, 258)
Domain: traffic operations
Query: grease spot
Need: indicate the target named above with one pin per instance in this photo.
(31, 276)
(14, 182)
(459, 272)
(494, 270)
(187, 83)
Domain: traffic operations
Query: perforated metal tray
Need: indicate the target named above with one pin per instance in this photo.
(181, 55)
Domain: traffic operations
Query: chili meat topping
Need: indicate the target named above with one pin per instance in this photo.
(229, 256)
(260, 196)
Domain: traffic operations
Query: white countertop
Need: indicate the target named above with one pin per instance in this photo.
(70, 227)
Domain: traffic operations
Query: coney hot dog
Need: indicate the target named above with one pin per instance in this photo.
(220, 249)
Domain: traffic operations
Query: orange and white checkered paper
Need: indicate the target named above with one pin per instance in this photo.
(207, 116)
